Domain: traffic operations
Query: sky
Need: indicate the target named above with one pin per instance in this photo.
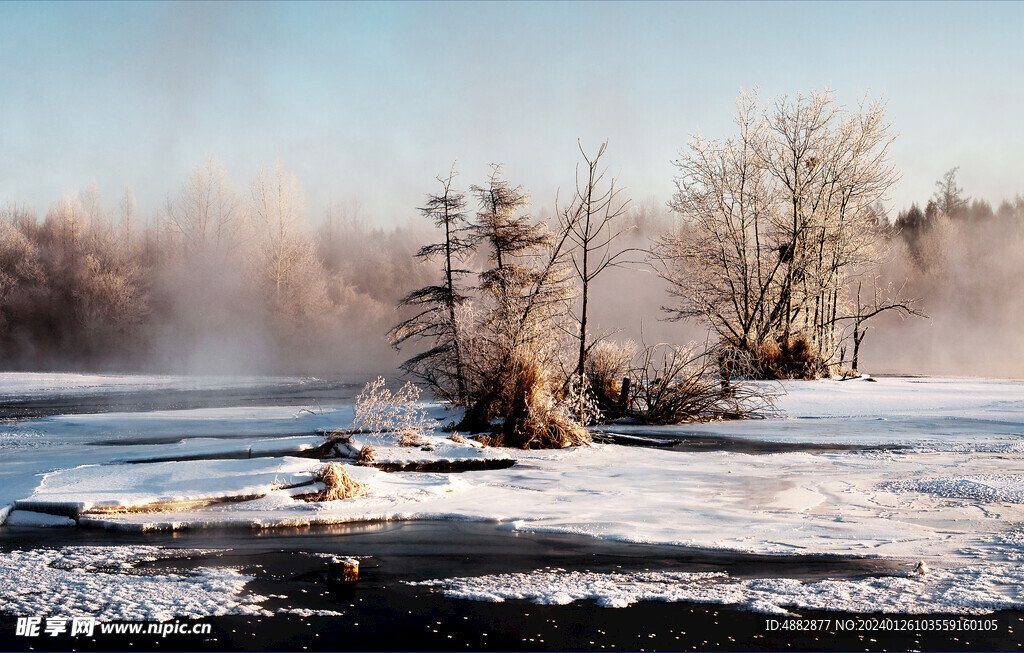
(367, 102)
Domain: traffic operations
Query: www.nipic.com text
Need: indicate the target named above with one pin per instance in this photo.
(87, 627)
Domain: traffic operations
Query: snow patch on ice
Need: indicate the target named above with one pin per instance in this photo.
(434, 448)
(989, 488)
(305, 612)
(973, 590)
(104, 582)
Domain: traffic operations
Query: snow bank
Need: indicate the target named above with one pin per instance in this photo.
(92, 487)
(28, 518)
(392, 497)
(788, 503)
(934, 414)
(434, 449)
(893, 396)
(974, 590)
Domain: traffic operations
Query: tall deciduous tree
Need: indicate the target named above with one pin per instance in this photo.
(591, 222)
(287, 269)
(206, 215)
(777, 222)
(949, 198)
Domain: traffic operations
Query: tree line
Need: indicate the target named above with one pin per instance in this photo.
(962, 257)
(222, 280)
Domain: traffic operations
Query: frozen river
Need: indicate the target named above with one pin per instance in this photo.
(831, 509)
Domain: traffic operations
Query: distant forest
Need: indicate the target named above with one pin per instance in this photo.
(223, 280)
(964, 260)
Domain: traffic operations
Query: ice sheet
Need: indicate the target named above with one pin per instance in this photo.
(40, 385)
(89, 487)
(952, 496)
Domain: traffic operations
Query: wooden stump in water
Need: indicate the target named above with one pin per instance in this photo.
(343, 570)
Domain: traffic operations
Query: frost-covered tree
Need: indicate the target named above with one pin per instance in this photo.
(517, 335)
(68, 221)
(286, 267)
(21, 270)
(443, 364)
(129, 215)
(777, 222)
(205, 217)
(949, 198)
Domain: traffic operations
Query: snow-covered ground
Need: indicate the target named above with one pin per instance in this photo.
(946, 487)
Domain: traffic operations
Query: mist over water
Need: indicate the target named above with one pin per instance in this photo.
(968, 274)
(86, 288)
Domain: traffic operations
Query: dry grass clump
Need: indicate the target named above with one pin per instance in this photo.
(455, 437)
(607, 364)
(411, 439)
(520, 401)
(795, 358)
(538, 419)
(366, 455)
(338, 484)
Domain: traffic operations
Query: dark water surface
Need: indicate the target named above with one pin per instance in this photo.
(682, 440)
(382, 612)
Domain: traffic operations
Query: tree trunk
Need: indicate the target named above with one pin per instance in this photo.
(460, 379)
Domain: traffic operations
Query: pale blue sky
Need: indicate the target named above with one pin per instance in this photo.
(368, 102)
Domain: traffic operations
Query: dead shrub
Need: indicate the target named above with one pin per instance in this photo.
(585, 409)
(607, 364)
(378, 410)
(338, 484)
(676, 384)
